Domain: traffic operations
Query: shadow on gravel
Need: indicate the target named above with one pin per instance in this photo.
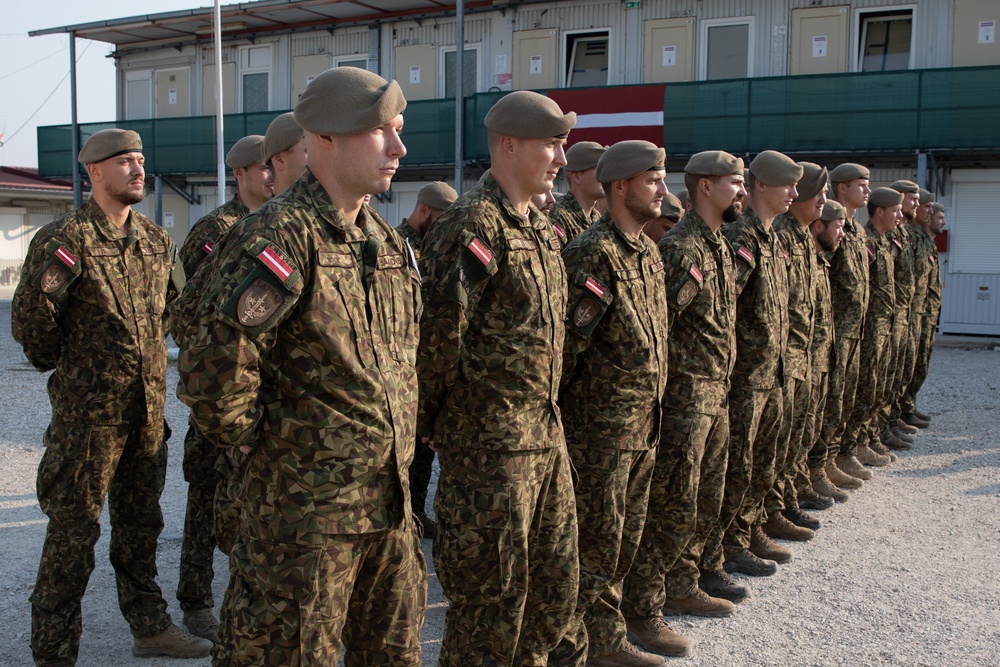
(989, 458)
(987, 490)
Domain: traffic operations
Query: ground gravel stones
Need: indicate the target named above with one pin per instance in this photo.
(904, 573)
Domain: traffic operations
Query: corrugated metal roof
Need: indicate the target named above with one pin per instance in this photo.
(27, 179)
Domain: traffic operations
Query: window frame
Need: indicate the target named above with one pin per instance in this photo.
(704, 25)
(569, 56)
(859, 26)
(243, 71)
(441, 84)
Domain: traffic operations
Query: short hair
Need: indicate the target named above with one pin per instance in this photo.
(691, 182)
(871, 209)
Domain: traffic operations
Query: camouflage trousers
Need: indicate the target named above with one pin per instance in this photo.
(819, 451)
(612, 493)
(922, 363)
(900, 368)
(420, 475)
(505, 552)
(842, 389)
(876, 349)
(791, 450)
(754, 424)
(684, 504)
(293, 603)
(230, 464)
(81, 465)
(911, 345)
(194, 585)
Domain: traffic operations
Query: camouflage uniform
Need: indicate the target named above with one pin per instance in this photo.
(687, 489)
(822, 346)
(926, 256)
(800, 248)
(194, 585)
(568, 218)
(411, 236)
(849, 294)
(756, 399)
(901, 355)
(306, 353)
(491, 343)
(876, 341)
(90, 304)
(614, 374)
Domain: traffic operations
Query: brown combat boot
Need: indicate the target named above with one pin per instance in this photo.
(655, 636)
(719, 584)
(172, 643)
(901, 434)
(823, 486)
(745, 562)
(202, 623)
(699, 603)
(870, 458)
(853, 467)
(914, 419)
(777, 526)
(627, 656)
(923, 416)
(903, 427)
(810, 499)
(841, 478)
(890, 440)
(877, 447)
(763, 547)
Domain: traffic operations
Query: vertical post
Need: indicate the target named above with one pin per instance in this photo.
(922, 169)
(158, 199)
(74, 124)
(459, 96)
(220, 142)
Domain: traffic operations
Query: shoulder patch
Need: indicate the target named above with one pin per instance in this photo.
(559, 230)
(272, 258)
(585, 312)
(745, 254)
(258, 302)
(686, 292)
(208, 248)
(696, 274)
(481, 252)
(54, 277)
(595, 286)
(65, 256)
(871, 253)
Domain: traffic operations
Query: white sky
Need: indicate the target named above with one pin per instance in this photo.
(25, 82)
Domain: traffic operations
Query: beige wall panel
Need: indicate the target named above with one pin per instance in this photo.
(536, 59)
(668, 50)
(417, 84)
(304, 67)
(228, 89)
(967, 46)
(809, 56)
(178, 206)
(173, 93)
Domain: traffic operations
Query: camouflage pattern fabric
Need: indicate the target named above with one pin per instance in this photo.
(822, 348)
(568, 219)
(505, 552)
(761, 337)
(686, 492)
(901, 362)
(491, 347)
(818, 454)
(292, 603)
(926, 255)
(305, 353)
(849, 294)
(614, 375)
(201, 240)
(90, 305)
(410, 235)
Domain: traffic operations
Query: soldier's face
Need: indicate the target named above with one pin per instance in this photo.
(586, 182)
(910, 202)
(831, 236)
(778, 197)
(727, 193)
(367, 161)
(923, 213)
(644, 195)
(122, 177)
(855, 193)
(810, 209)
(294, 158)
(258, 181)
(937, 223)
(539, 162)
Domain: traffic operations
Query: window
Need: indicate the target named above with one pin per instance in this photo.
(726, 49)
(138, 95)
(255, 78)
(586, 59)
(359, 61)
(470, 72)
(885, 40)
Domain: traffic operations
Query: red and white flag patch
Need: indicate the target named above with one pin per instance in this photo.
(897, 242)
(481, 252)
(871, 253)
(208, 248)
(695, 273)
(273, 260)
(559, 230)
(65, 256)
(595, 287)
(745, 254)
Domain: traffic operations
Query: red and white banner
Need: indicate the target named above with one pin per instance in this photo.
(610, 115)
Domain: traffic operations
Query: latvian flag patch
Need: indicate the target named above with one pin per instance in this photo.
(745, 254)
(595, 287)
(65, 256)
(208, 248)
(481, 252)
(273, 260)
(696, 274)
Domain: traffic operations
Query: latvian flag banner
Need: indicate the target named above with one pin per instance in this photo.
(610, 115)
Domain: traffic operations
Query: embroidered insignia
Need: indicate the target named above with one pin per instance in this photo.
(555, 244)
(54, 277)
(559, 230)
(686, 292)
(208, 248)
(481, 252)
(65, 256)
(695, 273)
(745, 254)
(258, 303)
(273, 261)
(586, 311)
(595, 287)
(390, 262)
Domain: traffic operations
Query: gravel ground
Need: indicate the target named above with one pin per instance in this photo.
(905, 573)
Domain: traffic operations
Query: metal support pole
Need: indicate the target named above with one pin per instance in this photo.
(459, 97)
(922, 169)
(158, 199)
(220, 140)
(74, 124)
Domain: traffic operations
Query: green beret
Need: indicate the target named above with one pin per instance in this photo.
(814, 179)
(849, 171)
(926, 196)
(245, 152)
(683, 197)
(281, 134)
(527, 115)
(885, 197)
(583, 156)
(833, 210)
(906, 187)
(938, 207)
(671, 207)
(714, 163)
(109, 143)
(348, 100)
(775, 169)
(437, 195)
(629, 158)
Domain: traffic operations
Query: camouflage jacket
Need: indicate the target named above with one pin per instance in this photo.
(882, 285)
(849, 281)
(91, 304)
(822, 343)
(568, 219)
(798, 243)
(921, 270)
(205, 234)
(410, 235)
(762, 306)
(615, 357)
(306, 351)
(701, 296)
(927, 256)
(901, 247)
(491, 339)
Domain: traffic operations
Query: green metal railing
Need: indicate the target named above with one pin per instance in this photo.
(932, 109)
